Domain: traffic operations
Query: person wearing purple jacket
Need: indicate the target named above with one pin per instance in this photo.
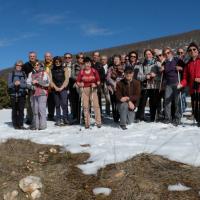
(172, 67)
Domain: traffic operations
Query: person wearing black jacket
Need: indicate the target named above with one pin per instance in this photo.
(27, 68)
(99, 67)
(17, 92)
(74, 96)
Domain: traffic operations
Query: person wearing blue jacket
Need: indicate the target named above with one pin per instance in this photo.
(17, 91)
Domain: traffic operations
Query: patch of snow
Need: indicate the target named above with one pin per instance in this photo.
(110, 144)
(178, 187)
(102, 190)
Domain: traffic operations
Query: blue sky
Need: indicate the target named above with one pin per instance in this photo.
(73, 26)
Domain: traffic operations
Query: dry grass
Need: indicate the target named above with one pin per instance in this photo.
(143, 177)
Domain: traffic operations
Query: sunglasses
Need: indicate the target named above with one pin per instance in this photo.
(68, 57)
(192, 49)
(19, 65)
(180, 52)
(80, 57)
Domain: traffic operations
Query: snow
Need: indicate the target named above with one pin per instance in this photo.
(178, 187)
(110, 144)
(101, 190)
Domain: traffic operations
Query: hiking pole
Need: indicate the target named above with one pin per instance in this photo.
(80, 109)
(91, 103)
(180, 97)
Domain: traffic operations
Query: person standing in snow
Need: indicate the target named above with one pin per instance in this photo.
(47, 65)
(115, 74)
(88, 80)
(127, 94)
(27, 68)
(38, 81)
(74, 91)
(17, 91)
(104, 89)
(172, 67)
(149, 75)
(191, 78)
(96, 64)
(59, 83)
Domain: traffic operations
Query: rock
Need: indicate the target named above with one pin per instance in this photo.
(102, 190)
(30, 184)
(53, 150)
(11, 195)
(36, 194)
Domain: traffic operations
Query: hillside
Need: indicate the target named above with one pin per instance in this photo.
(173, 41)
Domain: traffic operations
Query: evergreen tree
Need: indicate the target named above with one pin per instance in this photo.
(4, 97)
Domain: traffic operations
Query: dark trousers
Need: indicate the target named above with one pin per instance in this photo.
(75, 104)
(196, 106)
(60, 99)
(152, 94)
(18, 110)
(51, 105)
(115, 111)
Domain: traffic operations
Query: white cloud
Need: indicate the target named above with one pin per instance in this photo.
(10, 41)
(94, 30)
(51, 19)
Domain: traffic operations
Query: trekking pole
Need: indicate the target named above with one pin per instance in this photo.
(180, 96)
(81, 108)
(91, 103)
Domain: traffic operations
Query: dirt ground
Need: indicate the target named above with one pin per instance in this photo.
(144, 177)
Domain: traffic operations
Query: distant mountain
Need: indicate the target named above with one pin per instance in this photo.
(173, 41)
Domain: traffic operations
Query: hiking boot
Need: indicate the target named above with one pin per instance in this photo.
(87, 127)
(98, 125)
(16, 127)
(66, 122)
(58, 123)
(28, 122)
(22, 128)
(166, 121)
(33, 128)
(50, 118)
(123, 127)
(176, 122)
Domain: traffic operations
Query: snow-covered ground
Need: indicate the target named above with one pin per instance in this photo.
(110, 144)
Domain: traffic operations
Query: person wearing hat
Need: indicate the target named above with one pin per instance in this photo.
(17, 91)
(38, 82)
(127, 94)
(191, 78)
(88, 80)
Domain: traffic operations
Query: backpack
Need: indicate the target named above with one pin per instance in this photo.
(12, 90)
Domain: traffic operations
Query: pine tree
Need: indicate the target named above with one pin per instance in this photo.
(4, 97)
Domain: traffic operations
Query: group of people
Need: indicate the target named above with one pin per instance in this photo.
(71, 91)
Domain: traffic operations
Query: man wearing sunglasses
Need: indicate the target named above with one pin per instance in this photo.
(191, 78)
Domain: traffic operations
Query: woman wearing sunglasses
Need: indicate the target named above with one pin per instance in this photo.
(191, 78)
(38, 81)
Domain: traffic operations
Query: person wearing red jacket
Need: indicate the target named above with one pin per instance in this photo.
(88, 80)
(191, 78)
